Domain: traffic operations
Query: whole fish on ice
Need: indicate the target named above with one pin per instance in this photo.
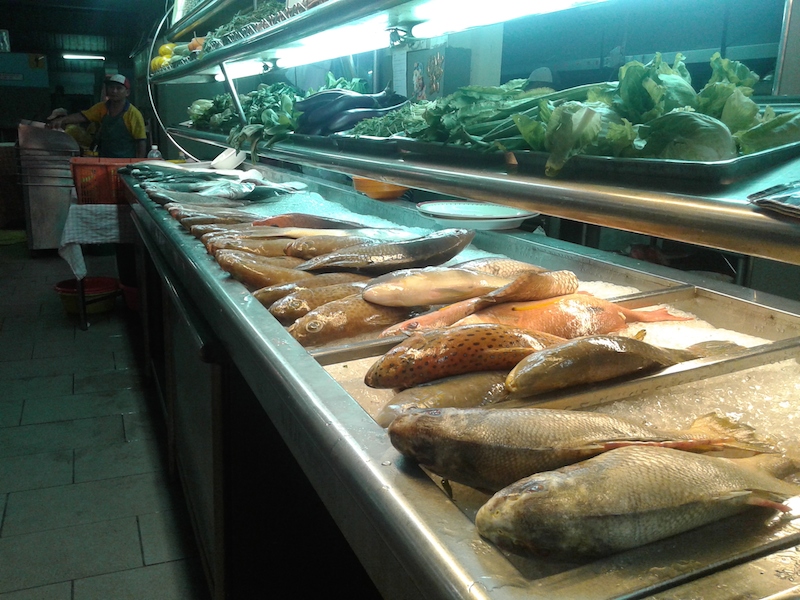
(433, 249)
(629, 497)
(597, 358)
(301, 302)
(434, 354)
(270, 294)
(568, 316)
(490, 448)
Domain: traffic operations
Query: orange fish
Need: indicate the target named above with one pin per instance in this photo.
(569, 316)
(441, 353)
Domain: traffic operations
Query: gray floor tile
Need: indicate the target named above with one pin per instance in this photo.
(81, 406)
(25, 388)
(126, 458)
(166, 536)
(140, 426)
(57, 591)
(45, 437)
(65, 365)
(88, 502)
(76, 552)
(108, 380)
(177, 580)
(10, 411)
(35, 471)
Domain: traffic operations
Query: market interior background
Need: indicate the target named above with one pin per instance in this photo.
(576, 47)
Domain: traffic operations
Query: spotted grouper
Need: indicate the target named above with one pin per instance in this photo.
(629, 497)
(569, 316)
(490, 448)
(439, 353)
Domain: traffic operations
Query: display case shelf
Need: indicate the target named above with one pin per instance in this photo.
(720, 217)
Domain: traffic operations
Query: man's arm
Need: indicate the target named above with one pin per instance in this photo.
(141, 148)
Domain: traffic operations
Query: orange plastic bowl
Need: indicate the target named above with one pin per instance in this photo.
(378, 190)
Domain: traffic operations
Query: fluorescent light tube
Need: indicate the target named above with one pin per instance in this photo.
(83, 57)
(342, 41)
(245, 68)
(441, 17)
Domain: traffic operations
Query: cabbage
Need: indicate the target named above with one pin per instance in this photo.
(783, 129)
(651, 90)
(724, 69)
(584, 128)
(687, 135)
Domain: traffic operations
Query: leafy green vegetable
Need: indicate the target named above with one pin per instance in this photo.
(687, 135)
(648, 91)
(733, 71)
(783, 129)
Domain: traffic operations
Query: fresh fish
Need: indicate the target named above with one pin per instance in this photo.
(209, 219)
(382, 234)
(377, 259)
(307, 220)
(232, 229)
(270, 294)
(315, 245)
(273, 248)
(256, 271)
(499, 265)
(180, 211)
(435, 354)
(629, 497)
(301, 302)
(430, 285)
(568, 316)
(160, 196)
(489, 449)
(345, 319)
(598, 358)
(459, 391)
(530, 285)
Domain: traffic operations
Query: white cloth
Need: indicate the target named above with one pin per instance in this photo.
(94, 224)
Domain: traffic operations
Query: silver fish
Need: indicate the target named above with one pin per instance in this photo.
(628, 497)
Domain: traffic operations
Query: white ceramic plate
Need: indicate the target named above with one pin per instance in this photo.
(474, 215)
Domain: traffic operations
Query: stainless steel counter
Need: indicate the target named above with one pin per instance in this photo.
(718, 217)
(412, 539)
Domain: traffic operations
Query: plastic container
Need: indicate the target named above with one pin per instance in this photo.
(228, 159)
(96, 180)
(378, 190)
(100, 294)
(154, 153)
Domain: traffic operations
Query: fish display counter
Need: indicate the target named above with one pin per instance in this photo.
(422, 532)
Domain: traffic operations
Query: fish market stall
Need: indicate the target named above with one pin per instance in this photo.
(413, 530)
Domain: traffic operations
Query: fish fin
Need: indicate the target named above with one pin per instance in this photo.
(757, 500)
(714, 348)
(755, 497)
(650, 316)
(723, 432)
(640, 335)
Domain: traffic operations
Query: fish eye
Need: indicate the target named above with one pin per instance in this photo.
(313, 326)
(537, 485)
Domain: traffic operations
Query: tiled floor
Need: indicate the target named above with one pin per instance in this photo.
(87, 508)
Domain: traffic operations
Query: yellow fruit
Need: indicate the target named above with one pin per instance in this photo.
(166, 49)
(157, 63)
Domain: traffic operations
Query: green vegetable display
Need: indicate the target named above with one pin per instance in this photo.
(653, 111)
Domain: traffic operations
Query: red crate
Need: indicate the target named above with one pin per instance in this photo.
(96, 179)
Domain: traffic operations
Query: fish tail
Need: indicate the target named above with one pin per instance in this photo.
(722, 431)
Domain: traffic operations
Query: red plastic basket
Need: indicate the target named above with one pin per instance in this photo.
(96, 179)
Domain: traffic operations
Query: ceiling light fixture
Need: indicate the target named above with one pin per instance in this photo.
(441, 17)
(83, 57)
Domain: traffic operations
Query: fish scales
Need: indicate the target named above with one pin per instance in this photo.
(433, 249)
(256, 271)
(270, 294)
(626, 498)
(500, 266)
(315, 245)
(430, 355)
(491, 448)
(430, 285)
(301, 302)
(568, 316)
(344, 319)
(459, 391)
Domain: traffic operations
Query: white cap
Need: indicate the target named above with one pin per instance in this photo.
(121, 79)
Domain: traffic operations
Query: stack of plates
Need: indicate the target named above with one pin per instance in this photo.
(474, 215)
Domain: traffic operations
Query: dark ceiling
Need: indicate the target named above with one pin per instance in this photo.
(57, 25)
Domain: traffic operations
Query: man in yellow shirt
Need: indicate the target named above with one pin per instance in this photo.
(122, 133)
